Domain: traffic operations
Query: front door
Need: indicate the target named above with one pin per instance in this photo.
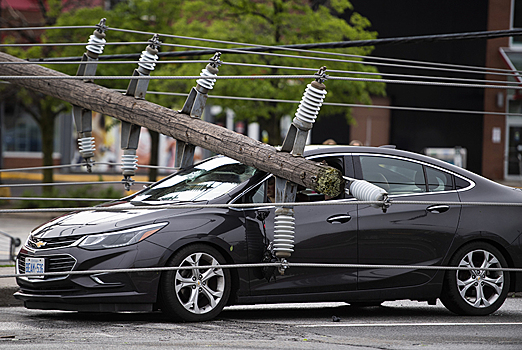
(323, 234)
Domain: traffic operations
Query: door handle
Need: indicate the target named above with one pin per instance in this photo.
(261, 215)
(339, 219)
(438, 209)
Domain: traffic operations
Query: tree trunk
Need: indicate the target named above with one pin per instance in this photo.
(154, 148)
(47, 132)
(180, 126)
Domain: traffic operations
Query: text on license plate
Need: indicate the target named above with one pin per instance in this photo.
(35, 265)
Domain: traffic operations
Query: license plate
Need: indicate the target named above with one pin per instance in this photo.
(35, 265)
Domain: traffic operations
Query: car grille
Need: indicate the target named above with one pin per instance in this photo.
(49, 243)
(53, 263)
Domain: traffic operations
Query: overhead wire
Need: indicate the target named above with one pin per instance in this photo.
(454, 36)
(58, 199)
(325, 59)
(282, 76)
(63, 166)
(338, 104)
(143, 206)
(477, 70)
(74, 183)
(410, 76)
(300, 47)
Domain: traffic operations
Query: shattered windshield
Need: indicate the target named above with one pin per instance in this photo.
(205, 181)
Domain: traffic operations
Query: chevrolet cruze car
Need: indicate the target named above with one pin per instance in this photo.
(433, 229)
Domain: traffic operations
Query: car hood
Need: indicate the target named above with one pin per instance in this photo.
(121, 216)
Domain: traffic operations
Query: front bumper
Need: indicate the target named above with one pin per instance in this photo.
(105, 292)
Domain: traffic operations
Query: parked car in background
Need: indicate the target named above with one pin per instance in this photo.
(438, 234)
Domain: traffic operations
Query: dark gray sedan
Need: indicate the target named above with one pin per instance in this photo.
(439, 231)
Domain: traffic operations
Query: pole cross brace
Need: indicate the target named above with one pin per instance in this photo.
(83, 117)
(294, 143)
(138, 87)
(130, 133)
(194, 107)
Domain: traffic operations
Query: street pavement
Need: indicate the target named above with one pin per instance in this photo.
(403, 325)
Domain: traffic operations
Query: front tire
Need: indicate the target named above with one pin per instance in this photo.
(197, 294)
(476, 292)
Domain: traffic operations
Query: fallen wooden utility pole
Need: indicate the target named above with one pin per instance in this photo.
(180, 126)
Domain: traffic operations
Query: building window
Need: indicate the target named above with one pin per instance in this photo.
(517, 20)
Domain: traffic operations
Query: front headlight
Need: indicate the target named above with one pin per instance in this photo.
(120, 238)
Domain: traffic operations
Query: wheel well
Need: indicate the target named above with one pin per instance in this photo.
(229, 260)
(504, 253)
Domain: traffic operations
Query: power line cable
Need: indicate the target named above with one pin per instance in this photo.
(257, 48)
(491, 34)
(73, 44)
(306, 47)
(294, 68)
(75, 183)
(271, 205)
(240, 77)
(82, 164)
(339, 104)
(58, 199)
(342, 44)
(45, 28)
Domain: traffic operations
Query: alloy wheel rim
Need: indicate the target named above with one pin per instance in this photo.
(477, 287)
(199, 290)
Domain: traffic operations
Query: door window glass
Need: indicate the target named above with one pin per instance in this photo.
(438, 181)
(396, 176)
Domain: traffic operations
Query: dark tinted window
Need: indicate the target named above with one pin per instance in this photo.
(396, 176)
(460, 183)
(439, 181)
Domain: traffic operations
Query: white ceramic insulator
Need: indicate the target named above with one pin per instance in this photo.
(148, 60)
(208, 82)
(96, 44)
(86, 146)
(284, 229)
(310, 104)
(365, 191)
(129, 164)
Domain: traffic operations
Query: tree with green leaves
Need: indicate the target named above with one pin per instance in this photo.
(276, 22)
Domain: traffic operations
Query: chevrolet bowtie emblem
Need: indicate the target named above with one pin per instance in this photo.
(40, 244)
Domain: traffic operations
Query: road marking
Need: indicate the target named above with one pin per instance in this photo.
(340, 324)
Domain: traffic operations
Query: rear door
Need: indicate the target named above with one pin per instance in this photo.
(407, 234)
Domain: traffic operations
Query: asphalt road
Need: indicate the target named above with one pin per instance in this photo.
(395, 325)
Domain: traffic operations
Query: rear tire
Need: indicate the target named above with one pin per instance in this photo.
(197, 294)
(476, 292)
